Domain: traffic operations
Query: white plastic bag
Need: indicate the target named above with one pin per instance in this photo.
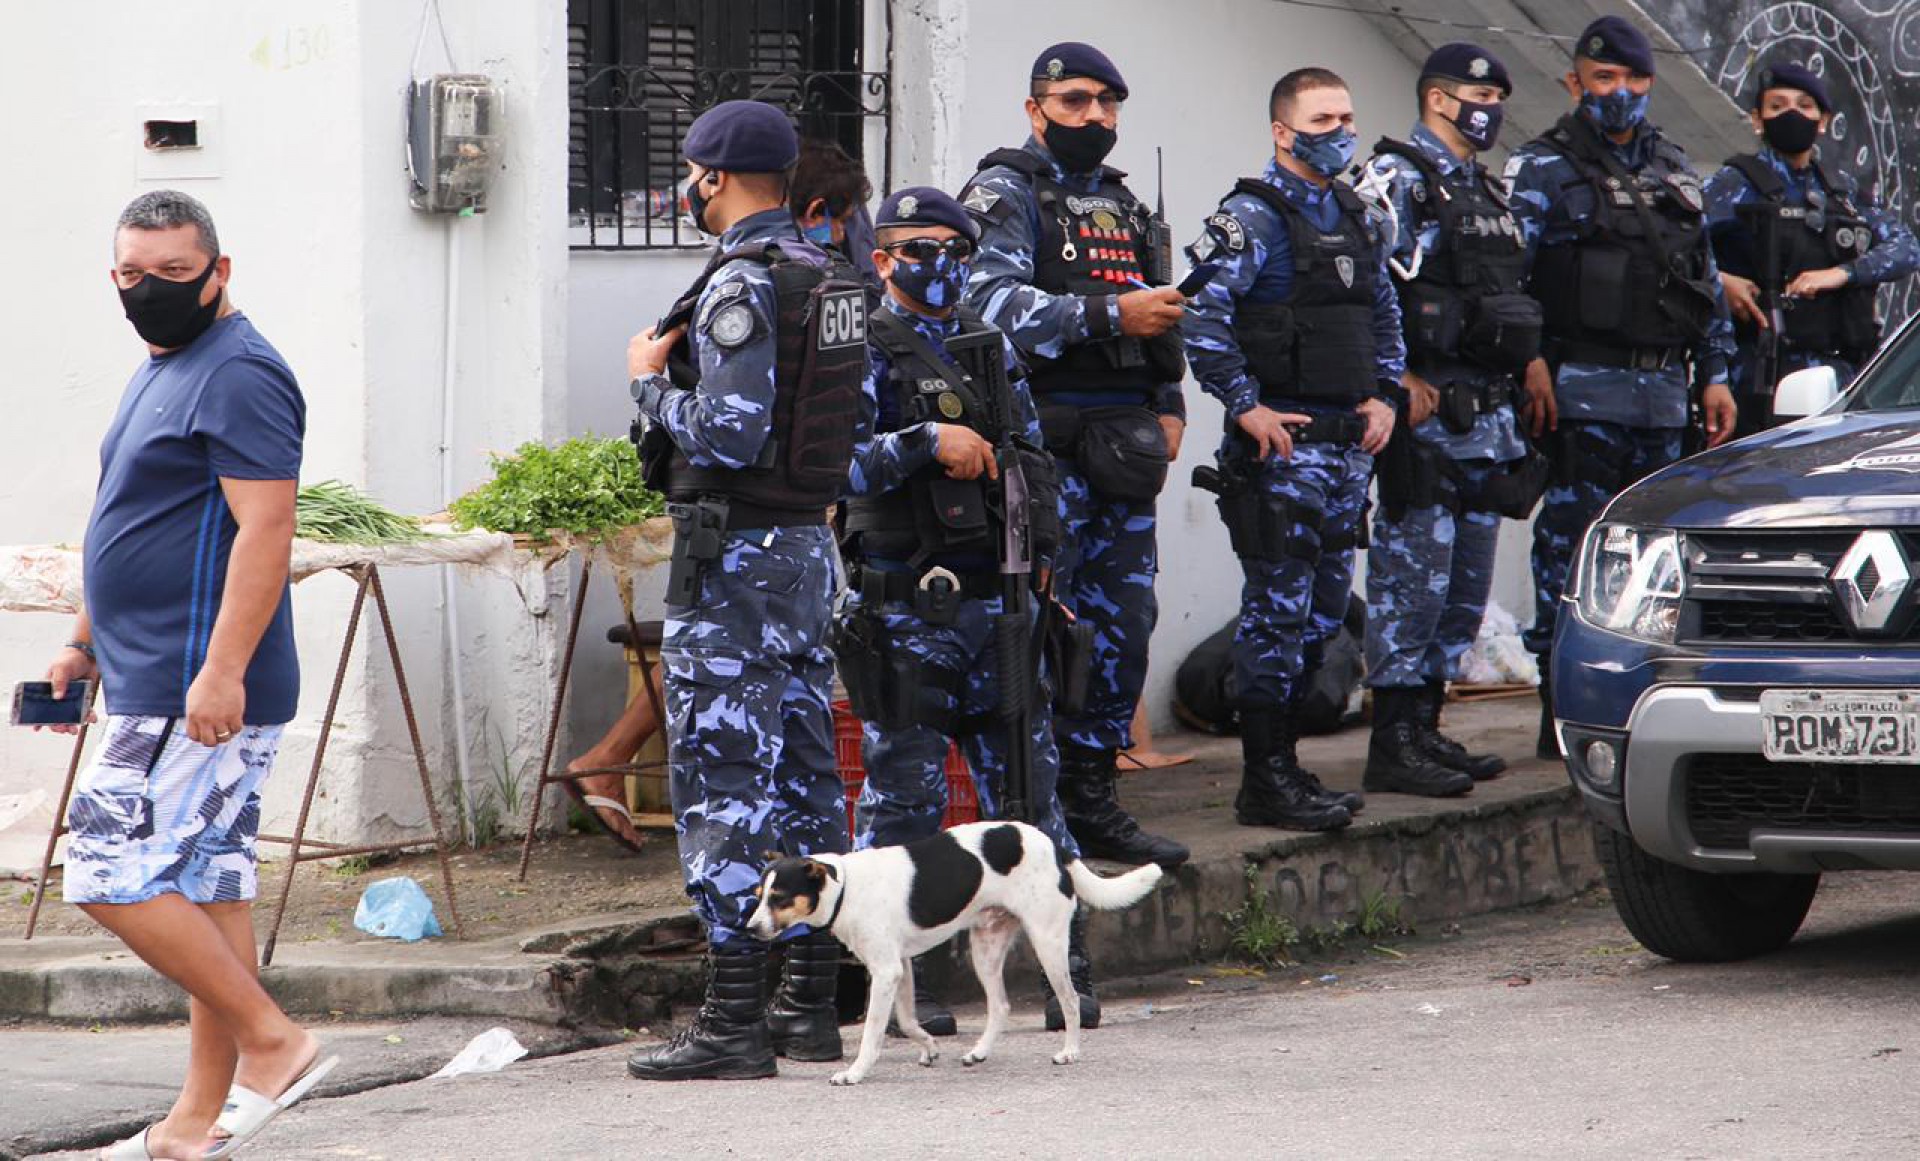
(490, 1051)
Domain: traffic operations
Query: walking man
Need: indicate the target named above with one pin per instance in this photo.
(188, 624)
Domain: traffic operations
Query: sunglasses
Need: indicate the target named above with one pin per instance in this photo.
(928, 249)
(1079, 102)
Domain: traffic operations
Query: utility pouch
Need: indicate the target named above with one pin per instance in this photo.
(655, 448)
(1580, 456)
(1434, 318)
(959, 514)
(1259, 526)
(1513, 489)
(1060, 427)
(1123, 452)
(1167, 355)
(1069, 648)
(859, 655)
(1505, 332)
(1459, 406)
(698, 531)
(936, 599)
(1043, 499)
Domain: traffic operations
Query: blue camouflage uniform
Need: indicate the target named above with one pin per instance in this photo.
(1291, 607)
(1632, 418)
(748, 673)
(906, 785)
(1429, 572)
(1894, 253)
(1108, 559)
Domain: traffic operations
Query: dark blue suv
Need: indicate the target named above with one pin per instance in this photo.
(1736, 668)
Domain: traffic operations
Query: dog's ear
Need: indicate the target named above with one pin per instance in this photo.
(816, 872)
(756, 890)
(771, 856)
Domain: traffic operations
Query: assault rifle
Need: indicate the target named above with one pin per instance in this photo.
(1763, 224)
(983, 359)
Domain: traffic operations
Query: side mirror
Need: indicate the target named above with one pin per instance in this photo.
(1808, 391)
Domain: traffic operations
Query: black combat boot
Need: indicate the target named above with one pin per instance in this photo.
(1080, 971)
(933, 1016)
(803, 1022)
(1286, 758)
(1396, 763)
(1548, 746)
(1445, 750)
(728, 1037)
(1274, 790)
(1094, 815)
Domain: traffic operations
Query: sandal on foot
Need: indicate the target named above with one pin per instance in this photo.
(248, 1112)
(593, 804)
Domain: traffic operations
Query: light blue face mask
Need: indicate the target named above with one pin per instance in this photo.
(820, 235)
(1326, 153)
(1618, 111)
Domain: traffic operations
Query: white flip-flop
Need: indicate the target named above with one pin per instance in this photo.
(247, 1112)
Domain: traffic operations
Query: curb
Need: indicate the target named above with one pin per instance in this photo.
(629, 971)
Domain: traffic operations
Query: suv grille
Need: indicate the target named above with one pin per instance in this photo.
(1731, 795)
(1769, 588)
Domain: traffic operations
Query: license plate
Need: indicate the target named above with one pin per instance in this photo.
(1852, 726)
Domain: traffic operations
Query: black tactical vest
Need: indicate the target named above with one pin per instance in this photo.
(1636, 276)
(1468, 301)
(931, 514)
(1098, 243)
(820, 366)
(1838, 322)
(1318, 344)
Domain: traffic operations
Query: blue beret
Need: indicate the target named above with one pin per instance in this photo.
(1073, 59)
(923, 205)
(743, 137)
(1791, 74)
(1469, 64)
(1611, 40)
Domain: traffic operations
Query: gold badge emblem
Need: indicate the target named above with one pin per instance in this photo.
(1105, 220)
(950, 405)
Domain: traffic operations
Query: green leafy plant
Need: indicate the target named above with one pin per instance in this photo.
(353, 866)
(1255, 931)
(342, 514)
(586, 486)
(1381, 917)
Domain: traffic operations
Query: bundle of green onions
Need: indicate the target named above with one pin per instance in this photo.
(342, 514)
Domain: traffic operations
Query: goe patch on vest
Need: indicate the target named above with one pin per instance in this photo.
(843, 319)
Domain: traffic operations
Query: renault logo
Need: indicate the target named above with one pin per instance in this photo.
(1871, 581)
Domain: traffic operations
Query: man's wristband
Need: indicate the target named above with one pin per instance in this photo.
(83, 647)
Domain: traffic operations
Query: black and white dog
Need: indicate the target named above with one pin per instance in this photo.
(889, 904)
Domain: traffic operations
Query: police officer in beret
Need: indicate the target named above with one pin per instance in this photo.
(1634, 315)
(751, 391)
(915, 642)
(1298, 335)
(1783, 219)
(1458, 461)
(1069, 267)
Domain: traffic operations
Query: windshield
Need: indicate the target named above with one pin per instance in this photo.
(1893, 381)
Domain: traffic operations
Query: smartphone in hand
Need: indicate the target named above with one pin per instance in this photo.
(35, 705)
(1199, 276)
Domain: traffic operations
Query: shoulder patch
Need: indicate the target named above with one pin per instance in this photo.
(731, 325)
(1228, 230)
(980, 199)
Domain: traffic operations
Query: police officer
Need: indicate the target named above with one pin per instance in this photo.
(751, 448)
(1298, 334)
(923, 544)
(1631, 296)
(1831, 245)
(1069, 269)
(1459, 461)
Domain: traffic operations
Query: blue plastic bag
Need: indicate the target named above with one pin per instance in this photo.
(396, 909)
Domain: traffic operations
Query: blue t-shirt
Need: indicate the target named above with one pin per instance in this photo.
(156, 553)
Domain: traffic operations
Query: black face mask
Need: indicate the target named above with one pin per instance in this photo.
(170, 314)
(1790, 131)
(1079, 148)
(697, 205)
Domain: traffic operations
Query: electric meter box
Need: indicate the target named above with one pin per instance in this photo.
(453, 141)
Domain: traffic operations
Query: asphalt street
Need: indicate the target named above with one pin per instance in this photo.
(1530, 1034)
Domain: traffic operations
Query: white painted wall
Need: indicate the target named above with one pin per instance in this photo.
(308, 191)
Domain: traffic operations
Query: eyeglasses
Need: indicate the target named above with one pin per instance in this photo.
(928, 249)
(1079, 100)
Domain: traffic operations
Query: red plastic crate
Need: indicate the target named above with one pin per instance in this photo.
(963, 800)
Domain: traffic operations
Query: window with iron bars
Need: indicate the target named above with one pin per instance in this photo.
(640, 71)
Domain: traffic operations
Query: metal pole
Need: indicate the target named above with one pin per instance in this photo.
(553, 720)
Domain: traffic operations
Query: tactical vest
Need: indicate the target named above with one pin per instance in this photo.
(1838, 322)
(1467, 302)
(1635, 278)
(932, 514)
(820, 366)
(1317, 345)
(1099, 243)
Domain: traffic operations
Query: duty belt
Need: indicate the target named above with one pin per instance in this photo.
(1346, 427)
(744, 516)
(876, 586)
(1627, 358)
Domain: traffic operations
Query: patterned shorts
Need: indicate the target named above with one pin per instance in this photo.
(158, 813)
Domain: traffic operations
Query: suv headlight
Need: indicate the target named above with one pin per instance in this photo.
(1631, 581)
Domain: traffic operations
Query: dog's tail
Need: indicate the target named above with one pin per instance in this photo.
(1103, 894)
